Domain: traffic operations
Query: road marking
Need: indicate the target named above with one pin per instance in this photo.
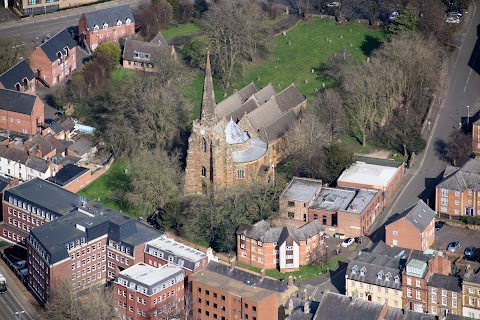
(7, 305)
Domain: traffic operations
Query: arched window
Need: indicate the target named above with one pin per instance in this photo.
(204, 145)
(204, 172)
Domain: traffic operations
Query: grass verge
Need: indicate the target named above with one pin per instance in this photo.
(181, 30)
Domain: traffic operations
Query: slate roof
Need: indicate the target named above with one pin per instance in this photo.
(109, 16)
(67, 174)
(237, 114)
(265, 114)
(154, 49)
(56, 128)
(289, 98)
(450, 283)
(15, 101)
(264, 94)
(57, 43)
(280, 126)
(401, 314)
(247, 91)
(335, 306)
(381, 248)
(262, 231)
(301, 189)
(67, 125)
(420, 215)
(159, 39)
(39, 164)
(229, 105)
(377, 269)
(472, 277)
(4, 181)
(16, 74)
(459, 179)
(82, 146)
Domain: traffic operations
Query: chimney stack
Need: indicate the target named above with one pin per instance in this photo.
(306, 307)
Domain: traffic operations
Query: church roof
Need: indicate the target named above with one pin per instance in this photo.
(234, 134)
(208, 100)
(255, 150)
(265, 114)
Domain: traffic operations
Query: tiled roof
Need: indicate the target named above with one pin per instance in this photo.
(450, 283)
(265, 114)
(57, 43)
(472, 277)
(289, 98)
(38, 164)
(250, 105)
(419, 215)
(15, 101)
(247, 91)
(459, 179)
(280, 126)
(109, 16)
(159, 40)
(16, 74)
(264, 94)
(335, 306)
(82, 146)
(134, 46)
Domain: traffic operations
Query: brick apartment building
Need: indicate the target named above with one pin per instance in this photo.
(377, 278)
(372, 173)
(458, 194)
(414, 228)
(283, 248)
(221, 292)
(444, 295)
(163, 250)
(471, 295)
(297, 197)
(346, 210)
(106, 25)
(19, 78)
(417, 273)
(35, 7)
(55, 59)
(20, 112)
(146, 292)
(476, 136)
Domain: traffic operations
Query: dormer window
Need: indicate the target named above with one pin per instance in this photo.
(119, 23)
(362, 271)
(380, 275)
(105, 25)
(388, 276)
(95, 28)
(354, 269)
(127, 21)
(397, 279)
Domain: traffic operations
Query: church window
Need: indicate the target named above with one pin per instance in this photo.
(204, 172)
(204, 145)
(241, 174)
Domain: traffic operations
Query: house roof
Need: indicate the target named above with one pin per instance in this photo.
(450, 283)
(109, 16)
(159, 39)
(67, 125)
(377, 269)
(67, 174)
(15, 153)
(38, 164)
(459, 179)
(402, 314)
(368, 174)
(4, 182)
(57, 43)
(16, 74)
(264, 94)
(472, 277)
(301, 189)
(289, 98)
(420, 215)
(335, 306)
(82, 146)
(280, 126)
(15, 101)
(153, 49)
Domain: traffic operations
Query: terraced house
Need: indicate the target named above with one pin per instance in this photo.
(444, 295)
(21, 112)
(20, 78)
(471, 295)
(458, 194)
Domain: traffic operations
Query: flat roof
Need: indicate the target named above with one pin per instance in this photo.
(361, 200)
(149, 275)
(333, 199)
(368, 174)
(177, 248)
(301, 189)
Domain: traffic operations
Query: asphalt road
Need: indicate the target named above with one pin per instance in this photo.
(9, 305)
(463, 84)
(448, 234)
(28, 29)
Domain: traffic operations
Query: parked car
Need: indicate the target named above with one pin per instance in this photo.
(455, 12)
(469, 251)
(452, 19)
(453, 246)
(475, 256)
(347, 242)
(24, 272)
(20, 264)
(49, 121)
(333, 4)
(439, 225)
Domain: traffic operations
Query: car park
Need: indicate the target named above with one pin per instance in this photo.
(439, 225)
(469, 251)
(347, 242)
(453, 246)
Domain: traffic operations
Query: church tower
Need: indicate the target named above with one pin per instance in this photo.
(203, 143)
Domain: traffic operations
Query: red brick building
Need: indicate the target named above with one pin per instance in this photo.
(373, 173)
(55, 59)
(106, 25)
(220, 292)
(458, 194)
(297, 197)
(20, 78)
(146, 292)
(444, 295)
(283, 248)
(20, 112)
(414, 228)
(476, 136)
(163, 250)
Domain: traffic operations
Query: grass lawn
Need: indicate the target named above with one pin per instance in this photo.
(120, 74)
(103, 189)
(306, 272)
(181, 30)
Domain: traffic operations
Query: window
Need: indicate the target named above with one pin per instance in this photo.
(204, 145)
(454, 303)
(434, 298)
(409, 281)
(409, 292)
(204, 172)
(444, 202)
(417, 283)
(444, 301)
(291, 215)
(434, 310)
(418, 294)
(395, 233)
(444, 192)
(241, 174)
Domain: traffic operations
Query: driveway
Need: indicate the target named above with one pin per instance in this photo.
(448, 234)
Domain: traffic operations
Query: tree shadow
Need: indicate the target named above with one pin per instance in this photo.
(440, 149)
(369, 45)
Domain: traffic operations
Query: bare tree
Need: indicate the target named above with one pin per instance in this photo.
(10, 53)
(235, 32)
(458, 147)
(328, 108)
(153, 16)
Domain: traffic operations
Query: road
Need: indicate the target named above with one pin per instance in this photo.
(463, 84)
(9, 305)
(28, 29)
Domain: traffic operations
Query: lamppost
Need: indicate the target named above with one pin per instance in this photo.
(468, 114)
(19, 313)
(428, 125)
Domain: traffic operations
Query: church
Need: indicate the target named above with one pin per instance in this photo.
(240, 140)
